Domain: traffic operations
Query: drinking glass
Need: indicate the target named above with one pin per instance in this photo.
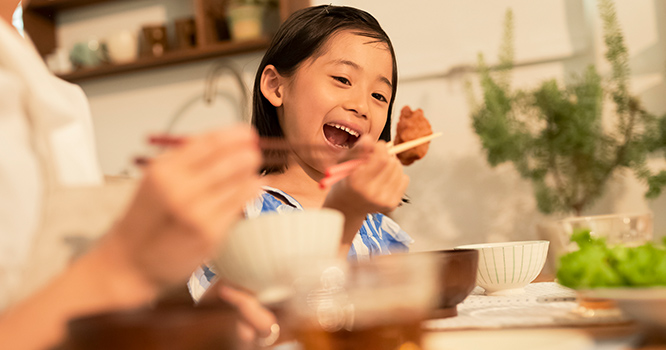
(376, 305)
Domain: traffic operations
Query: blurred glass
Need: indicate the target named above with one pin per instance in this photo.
(626, 229)
(377, 304)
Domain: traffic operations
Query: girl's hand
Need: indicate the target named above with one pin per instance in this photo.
(377, 185)
(187, 200)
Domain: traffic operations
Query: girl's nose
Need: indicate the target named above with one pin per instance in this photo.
(357, 104)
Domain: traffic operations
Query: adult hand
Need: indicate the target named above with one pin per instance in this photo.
(257, 321)
(187, 200)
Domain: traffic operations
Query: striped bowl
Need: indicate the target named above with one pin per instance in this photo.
(506, 268)
(262, 254)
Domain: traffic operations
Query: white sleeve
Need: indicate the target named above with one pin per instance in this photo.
(21, 185)
(73, 144)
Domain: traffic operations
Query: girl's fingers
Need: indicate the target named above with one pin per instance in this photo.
(375, 167)
(380, 181)
(400, 181)
(362, 149)
(389, 185)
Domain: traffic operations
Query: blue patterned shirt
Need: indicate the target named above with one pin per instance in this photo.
(379, 235)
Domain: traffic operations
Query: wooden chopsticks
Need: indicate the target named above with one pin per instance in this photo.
(342, 170)
(279, 145)
(399, 148)
(274, 148)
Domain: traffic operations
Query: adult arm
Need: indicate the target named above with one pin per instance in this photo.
(182, 209)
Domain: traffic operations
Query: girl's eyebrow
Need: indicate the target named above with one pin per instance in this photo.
(346, 63)
(355, 66)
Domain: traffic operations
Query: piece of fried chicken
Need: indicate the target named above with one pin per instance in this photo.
(412, 125)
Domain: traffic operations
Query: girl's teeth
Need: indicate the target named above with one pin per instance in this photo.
(349, 131)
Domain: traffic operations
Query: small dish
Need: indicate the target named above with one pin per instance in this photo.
(506, 268)
(647, 306)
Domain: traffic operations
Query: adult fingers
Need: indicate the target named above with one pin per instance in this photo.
(226, 171)
(182, 186)
(246, 333)
(220, 211)
(260, 318)
(200, 150)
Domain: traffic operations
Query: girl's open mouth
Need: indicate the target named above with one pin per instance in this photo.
(340, 135)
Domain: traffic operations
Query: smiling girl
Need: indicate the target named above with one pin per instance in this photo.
(328, 80)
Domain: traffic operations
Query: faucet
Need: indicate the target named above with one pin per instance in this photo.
(213, 76)
(210, 93)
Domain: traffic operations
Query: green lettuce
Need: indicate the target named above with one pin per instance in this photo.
(596, 265)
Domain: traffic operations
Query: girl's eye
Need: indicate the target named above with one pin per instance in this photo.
(379, 97)
(343, 80)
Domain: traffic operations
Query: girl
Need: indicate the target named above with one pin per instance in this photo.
(328, 80)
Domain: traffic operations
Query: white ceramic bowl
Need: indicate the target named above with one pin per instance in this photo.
(263, 254)
(506, 268)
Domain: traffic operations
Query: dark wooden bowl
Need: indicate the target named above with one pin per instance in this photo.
(166, 328)
(457, 278)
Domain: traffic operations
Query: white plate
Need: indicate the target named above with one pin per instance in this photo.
(508, 340)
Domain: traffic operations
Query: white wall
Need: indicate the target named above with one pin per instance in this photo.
(457, 198)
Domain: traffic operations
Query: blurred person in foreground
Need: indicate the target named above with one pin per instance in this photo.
(51, 187)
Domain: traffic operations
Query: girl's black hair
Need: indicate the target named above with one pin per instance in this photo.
(302, 36)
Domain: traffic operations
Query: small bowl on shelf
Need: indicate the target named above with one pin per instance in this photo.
(506, 268)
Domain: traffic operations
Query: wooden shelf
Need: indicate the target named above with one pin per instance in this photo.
(169, 58)
(57, 5)
(40, 23)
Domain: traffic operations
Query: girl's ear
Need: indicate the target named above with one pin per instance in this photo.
(272, 85)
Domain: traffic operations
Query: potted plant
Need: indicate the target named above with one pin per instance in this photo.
(558, 137)
(252, 19)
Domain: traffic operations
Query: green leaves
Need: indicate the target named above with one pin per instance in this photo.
(553, 134)
(596, 265)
